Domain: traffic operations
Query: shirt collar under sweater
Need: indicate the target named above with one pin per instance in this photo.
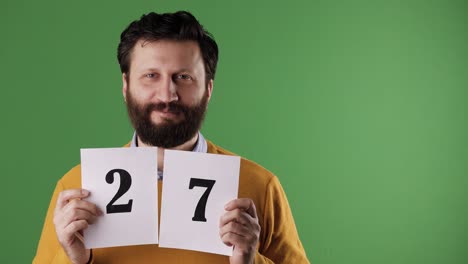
(201, 146)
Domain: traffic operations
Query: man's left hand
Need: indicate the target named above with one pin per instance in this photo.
(239, 228)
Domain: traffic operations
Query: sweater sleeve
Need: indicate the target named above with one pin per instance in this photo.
(280, 242)
(49, 249)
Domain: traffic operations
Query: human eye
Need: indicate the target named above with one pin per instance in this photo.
(184, 77)
(150, 75)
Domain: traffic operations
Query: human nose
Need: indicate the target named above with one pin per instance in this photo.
(167, 91)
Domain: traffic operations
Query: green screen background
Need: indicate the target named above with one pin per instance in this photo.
(359, 107)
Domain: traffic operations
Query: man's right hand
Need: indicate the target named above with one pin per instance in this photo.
(72, 215)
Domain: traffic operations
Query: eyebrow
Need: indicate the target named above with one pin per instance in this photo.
(185, 70)
(156, 69)
(148, 69)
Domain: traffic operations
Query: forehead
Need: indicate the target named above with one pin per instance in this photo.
(166, 54)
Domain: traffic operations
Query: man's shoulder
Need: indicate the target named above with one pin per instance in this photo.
(247, 166)
(72, 179)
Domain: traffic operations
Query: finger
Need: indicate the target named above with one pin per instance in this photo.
(63, 219)
(232, 239)
(245, 204)
(80, 236)
(236, 228)
(74, 227)
(81, 205)
(65, 196)
(79, 214)
(252, 211)
(236, 215)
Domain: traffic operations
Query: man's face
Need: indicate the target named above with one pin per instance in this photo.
(166, 91)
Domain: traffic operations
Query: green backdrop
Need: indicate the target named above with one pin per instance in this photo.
(359, 107)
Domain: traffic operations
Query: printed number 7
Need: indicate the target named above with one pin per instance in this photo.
(201, 206)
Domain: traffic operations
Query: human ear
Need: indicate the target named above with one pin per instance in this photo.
(124, 86)
(210, 89)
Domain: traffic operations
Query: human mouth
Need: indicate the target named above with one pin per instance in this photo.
(167, 113)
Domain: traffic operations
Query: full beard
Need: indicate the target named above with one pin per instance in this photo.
(169, 133)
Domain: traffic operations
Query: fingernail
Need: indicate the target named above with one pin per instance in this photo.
(84, 192)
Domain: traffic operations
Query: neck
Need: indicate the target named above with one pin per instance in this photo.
(187, 146)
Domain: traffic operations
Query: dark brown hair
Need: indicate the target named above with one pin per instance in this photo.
(179, 26)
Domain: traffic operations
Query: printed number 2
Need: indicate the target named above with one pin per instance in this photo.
(125, 183)
(201, 206)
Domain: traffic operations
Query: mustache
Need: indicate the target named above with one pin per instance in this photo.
(173, 107)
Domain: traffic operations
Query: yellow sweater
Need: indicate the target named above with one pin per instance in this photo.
(278, 243)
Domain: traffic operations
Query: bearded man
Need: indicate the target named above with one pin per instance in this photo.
(168, 63)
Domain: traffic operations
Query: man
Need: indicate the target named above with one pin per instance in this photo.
(168, 64)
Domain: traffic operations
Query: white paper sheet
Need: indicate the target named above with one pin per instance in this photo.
(178, 228)
(140, 225)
